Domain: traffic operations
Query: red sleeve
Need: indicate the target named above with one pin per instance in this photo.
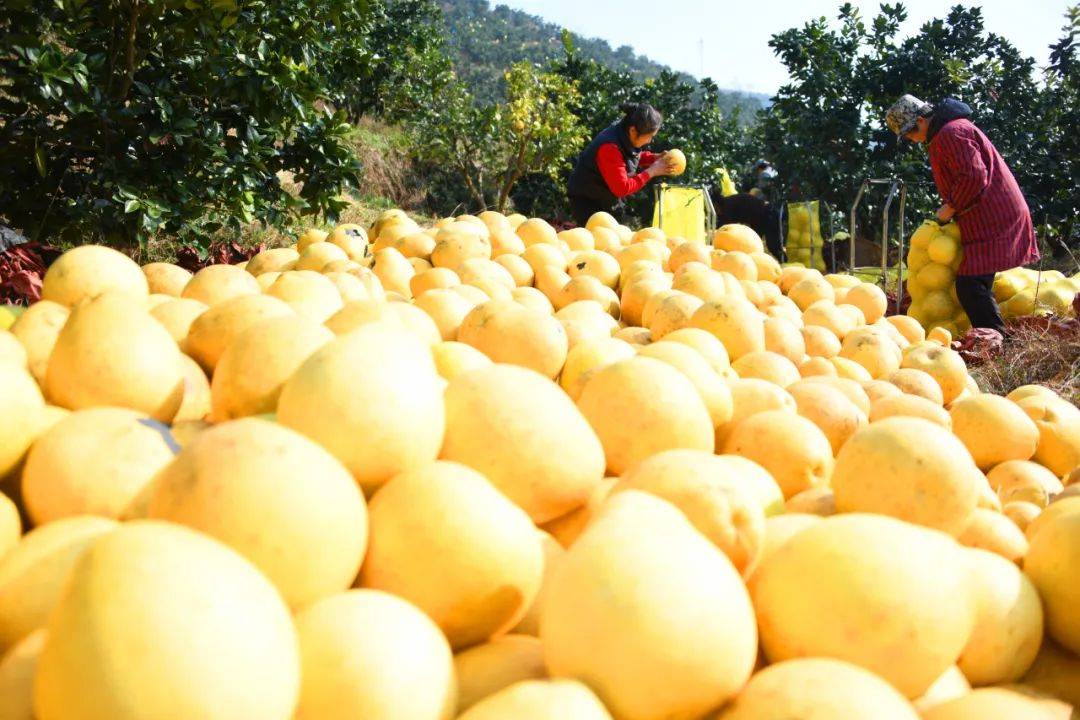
(646, 158)
(969, 174)
(613, 169)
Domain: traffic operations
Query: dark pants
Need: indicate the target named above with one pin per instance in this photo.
(976, 295)
(583, 208)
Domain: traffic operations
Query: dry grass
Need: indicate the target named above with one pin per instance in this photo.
(1045, 353)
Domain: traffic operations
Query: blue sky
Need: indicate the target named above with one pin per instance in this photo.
(730, 39)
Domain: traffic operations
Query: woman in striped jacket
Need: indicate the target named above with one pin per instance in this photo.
(979, 192)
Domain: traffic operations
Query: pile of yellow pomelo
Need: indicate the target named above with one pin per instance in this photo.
(490, 471)
(804, 239)
(1023, 291)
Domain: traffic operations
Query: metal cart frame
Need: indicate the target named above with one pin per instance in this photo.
(897, 189)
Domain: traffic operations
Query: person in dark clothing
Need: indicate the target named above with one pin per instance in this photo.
(753, 211)
(979, 193)
(614, 164)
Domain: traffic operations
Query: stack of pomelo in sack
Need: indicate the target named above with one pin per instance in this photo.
(932, 260)
(484, 470)
(804, 239)
(1023, 291)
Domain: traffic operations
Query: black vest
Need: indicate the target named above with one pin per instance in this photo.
(586, 180)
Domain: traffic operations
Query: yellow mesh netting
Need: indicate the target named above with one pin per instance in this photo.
(804, 238)
(683, 212)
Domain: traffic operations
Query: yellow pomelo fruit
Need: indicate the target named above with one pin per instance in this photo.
(828, 408)
(1026, 391)
(349, 286)
(401, 315)
(998, 704)
(586, 287)
(607, 240)
(536, 231)
(735, 322)
(842, 589)
(454, 358)
(870, 299)
(737, 237)
(943, 249)
(446, 308)
(689, 252)
(678, 161)
(1008, 621)
(794, 451)
(1021, 513)
(906, 405)
(1022, 480)
(750, 396)
(705, 344)
(553, 552)
(187, 602)
(700, 485)
(518, 267)
(739, 264)
(766, 365)
(1059, 443)
(177, 316)
(649, 233)
(934, 276)
(214, 330)
(307, 293)
(1053, 564)
(443, 538)
(883, 469)
(820, 341)
(944, 365)
(85, 272)
(712, 389)
(873, 350)
(852, 389)
(925, 233)
(485, 669)
(275, 497)
(951, 685)
(494, 220)
(432, 279)
(216, 283)
(781, 528)
(366, 653)
(877, 389)
(601, 220)
(17, 669)
(509, 333)
(394, 271)
(504, 418)
(597, 264)
(35, 571)
(166, 278)
(588, 355)
(641, 406)
(1063, 506)
(600, 620)
(94, 462)
(818, 688)
(667, 313)
(544, 255)
(255, 365)
(23, 409)
(373, 398)
(540, 700)
(815, 501)
(578, 239)
(111, 353)
(850, 370)
(994, 429)
(833, 318)
(810, 290)
(636, 295)
(990, 530)
(1055, 672)
(272, 260)
(37, 329)
(314, 235)
(785, 338)
(919, 383)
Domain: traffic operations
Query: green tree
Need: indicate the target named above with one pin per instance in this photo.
(491, 147)
(1061, 160)
(121, 119)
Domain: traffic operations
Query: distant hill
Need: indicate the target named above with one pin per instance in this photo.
(485, 40)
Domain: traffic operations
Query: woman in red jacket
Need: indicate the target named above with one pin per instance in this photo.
(614, 164)
(980, 193)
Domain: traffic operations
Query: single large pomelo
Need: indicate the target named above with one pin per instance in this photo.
(185, 601)
(858, 588)
(641, 406)
(23, 406)
(166, 278)
(405, 316)
(87, 271)
(910, 469)
(715, 501)
(509, 333)
(1056, 672)
(737, 237)
(994, 429)
(443, 538)
(504, 418)
(275, 497)
(215, 329)
(588, 355)
(735, 322)
(255, 365)
(94, 462)
(454, 358)
(600, 622)
(829, 409)
(1022, 480)
(908, 405)
(37, 329)
(33, 574)
(371, 397)
(998, 704)
(711, 387)
(17, 669)
(540, 700)
(368, 654)
(1008, 622)
(818, 689)
(272, 260)
(485, 669)
(1053, 564)
(112, 353)
(216, 283)
(944, 365)
(794, 451)
(177, 315)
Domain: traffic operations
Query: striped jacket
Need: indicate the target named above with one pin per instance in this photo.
(971, 176)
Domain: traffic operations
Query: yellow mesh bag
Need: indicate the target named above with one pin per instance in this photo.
(804, 238)
(680, 212)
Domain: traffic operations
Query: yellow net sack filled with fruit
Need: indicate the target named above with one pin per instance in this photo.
(804, 238)
(932, 261)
